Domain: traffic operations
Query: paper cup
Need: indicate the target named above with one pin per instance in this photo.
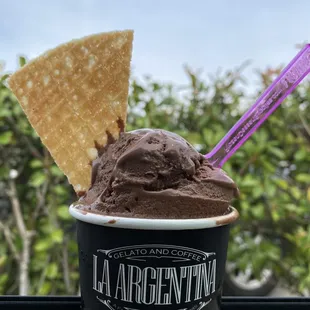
(141, 264)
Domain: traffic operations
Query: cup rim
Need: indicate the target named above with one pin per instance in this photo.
(153, 224)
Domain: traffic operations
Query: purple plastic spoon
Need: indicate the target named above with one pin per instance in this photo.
(273, 96)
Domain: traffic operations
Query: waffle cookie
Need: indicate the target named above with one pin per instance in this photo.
(75, 97)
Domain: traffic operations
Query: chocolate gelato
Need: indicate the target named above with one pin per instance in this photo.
(156, 174)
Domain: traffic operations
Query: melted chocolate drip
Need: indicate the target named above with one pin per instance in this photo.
(94, 171)
(101, 149)
(110, 139)
(121, 125)
(98, 146)
(81, 193)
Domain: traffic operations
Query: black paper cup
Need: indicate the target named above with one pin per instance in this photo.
(141, 264)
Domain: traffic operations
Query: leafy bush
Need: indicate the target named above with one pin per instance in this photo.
(272, 171)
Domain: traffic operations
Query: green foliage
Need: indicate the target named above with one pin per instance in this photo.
(272, 171)
(22, 61)
(42, 192)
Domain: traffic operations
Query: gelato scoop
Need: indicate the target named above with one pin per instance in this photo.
(156, 174)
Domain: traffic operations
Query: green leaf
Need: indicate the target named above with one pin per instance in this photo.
(297, 270)
(3, 260)
(52, 271)
(4, 77)
(63, 212)
(37, 179)
(56, 171)
(270, 189)
(303, 178)
(4, 112)
(57, 236)
(275, 216)
(22, 61)
(277, 152)
(268, 166)
(249, 181)
(274, 254)
(4, 172)
(3, 279)
(245, 205)
(42, 245)
(36, 163)
(258, 211)
(156, 87)
(301, 155)
(257, 192)
(291, 207)
(6, 137)
(297, 194)
(75, 275)
(45, 288)
(60, 190)
(281, 183)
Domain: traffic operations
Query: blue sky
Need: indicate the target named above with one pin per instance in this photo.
(168, 33)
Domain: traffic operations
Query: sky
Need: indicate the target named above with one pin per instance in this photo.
(168, 33)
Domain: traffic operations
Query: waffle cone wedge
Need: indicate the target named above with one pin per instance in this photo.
(75, 97)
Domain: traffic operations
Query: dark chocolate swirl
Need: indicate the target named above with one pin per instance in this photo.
(157, 174)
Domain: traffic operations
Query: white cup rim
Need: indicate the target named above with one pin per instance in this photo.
(152, 224)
